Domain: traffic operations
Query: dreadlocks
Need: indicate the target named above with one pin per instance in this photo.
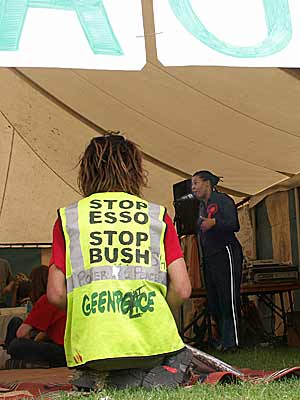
(208, 176)
(111, 163)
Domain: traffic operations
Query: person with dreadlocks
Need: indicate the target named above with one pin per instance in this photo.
(118, 270)
(222, 256)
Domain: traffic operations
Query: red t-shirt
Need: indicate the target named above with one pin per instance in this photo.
(49, 319)
(173, 250)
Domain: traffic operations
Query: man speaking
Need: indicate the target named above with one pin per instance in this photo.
(222, 256)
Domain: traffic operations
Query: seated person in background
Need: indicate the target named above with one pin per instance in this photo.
(39, 279)
(48, 345)
(40, 338)
(21, 293)
(6, 281)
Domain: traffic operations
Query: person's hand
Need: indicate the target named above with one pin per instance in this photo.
(207, 224)
(41, 337)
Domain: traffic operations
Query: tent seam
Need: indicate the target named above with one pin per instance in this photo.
(226, 105)
(174, 130)
(38, 156)
(8, 167)
(99, 130)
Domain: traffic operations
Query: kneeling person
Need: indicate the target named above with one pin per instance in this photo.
(117, 269)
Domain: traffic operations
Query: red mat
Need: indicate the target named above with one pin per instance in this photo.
(253, 376)
(47, 391)
(34, 390)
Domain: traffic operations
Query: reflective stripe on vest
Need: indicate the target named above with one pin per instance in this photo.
(81, 276)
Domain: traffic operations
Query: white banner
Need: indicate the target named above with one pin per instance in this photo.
(247, 33)
(94, 34)
(109, 34)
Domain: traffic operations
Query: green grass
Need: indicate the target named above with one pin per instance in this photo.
(265, 359)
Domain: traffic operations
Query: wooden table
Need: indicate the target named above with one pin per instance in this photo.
(262, 291)
(255, 289)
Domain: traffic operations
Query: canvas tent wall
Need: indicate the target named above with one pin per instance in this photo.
(270, 226)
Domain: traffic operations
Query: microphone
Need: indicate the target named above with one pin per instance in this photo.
(189, 196)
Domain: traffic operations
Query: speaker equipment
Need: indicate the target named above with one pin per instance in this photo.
(269, 271)
(186, 208)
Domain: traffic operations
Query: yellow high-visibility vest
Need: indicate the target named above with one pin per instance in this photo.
(116, 279)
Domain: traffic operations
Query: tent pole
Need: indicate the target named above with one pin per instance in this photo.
(253, 222)
(297, 212)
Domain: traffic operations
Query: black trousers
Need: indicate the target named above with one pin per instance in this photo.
(223, 274)
(12, 328)
(31, 351)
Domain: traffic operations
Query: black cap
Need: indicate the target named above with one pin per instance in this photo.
(208, 176)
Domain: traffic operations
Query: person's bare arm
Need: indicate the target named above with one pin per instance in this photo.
(14, 294)
(9, 288)
(179, 287)
(24, 331)
(56, 289)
